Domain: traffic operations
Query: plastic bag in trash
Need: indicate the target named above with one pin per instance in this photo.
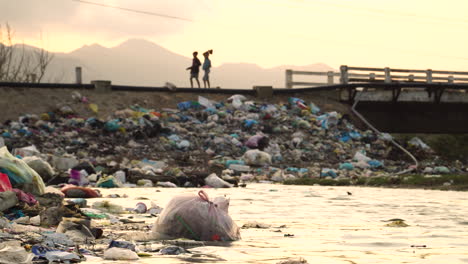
(116, 253)
(59, 256)
(78, 177)
(417, 142)
(21, 173)
(41, 166)
(8, 199)
(346, 166)
(196, 217)
(214, 181)
(13, 252)
(375, 164)
(112, 125)
(108, 182)
(328, 120)
(256, 157)
(205, 102)
(26, 151)
(359, 156)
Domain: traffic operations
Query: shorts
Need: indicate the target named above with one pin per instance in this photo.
(206, 76)
(194, 75)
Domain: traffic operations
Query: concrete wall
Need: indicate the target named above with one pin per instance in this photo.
(416, 117)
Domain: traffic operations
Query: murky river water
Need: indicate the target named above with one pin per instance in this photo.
(330, 226)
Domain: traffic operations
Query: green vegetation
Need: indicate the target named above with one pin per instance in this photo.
(441, 182)
(447, 146)
(451, 147)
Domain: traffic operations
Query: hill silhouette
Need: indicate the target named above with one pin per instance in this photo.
(141, 62)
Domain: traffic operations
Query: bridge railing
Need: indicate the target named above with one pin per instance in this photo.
(329, 74)
(378, 75)
(388, 75)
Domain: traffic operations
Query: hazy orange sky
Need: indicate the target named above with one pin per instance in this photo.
(394, 33)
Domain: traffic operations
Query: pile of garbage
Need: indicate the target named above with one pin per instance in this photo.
(51, 163)
(46, 227)
(202, 143)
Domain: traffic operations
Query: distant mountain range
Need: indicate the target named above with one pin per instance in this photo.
(141, 62)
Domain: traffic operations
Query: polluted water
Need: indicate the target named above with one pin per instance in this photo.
(325, 225)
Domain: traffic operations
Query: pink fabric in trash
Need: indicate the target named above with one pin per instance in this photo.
(252, 142)
(25, 197)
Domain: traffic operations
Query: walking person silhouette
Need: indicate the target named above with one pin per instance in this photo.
(206, 67)
(194, 69)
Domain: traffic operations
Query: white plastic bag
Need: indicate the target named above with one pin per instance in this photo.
(196, 217)
(41, 166)
(214, 181)
(115, 253)
(256, 157)
(13, 252)
(205, 102)
(359, 156)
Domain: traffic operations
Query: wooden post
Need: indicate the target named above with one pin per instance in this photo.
(429, 76)
(411, 78)
(388, 77)
(450, 79)
(330, 76)
(344, 74)
(32, 77)
(78, 78)
(289, 79)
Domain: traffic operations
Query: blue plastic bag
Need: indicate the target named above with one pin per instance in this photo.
(375, 164)
(248, 123)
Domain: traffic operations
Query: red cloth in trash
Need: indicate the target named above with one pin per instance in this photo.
(5, 184)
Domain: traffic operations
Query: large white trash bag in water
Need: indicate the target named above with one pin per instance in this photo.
(196, 217)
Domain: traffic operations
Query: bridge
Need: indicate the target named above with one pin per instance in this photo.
(393, 100)
(398, 100)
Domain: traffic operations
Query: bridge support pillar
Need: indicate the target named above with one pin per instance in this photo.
(289, 79)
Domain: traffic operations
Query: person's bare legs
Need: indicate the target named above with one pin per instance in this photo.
(191, 82)
(198, 82)
(204, 84)
(208, 82)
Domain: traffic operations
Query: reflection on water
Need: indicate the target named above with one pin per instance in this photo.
(329, 225)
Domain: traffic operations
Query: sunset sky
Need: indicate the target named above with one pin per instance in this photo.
(394, 33)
